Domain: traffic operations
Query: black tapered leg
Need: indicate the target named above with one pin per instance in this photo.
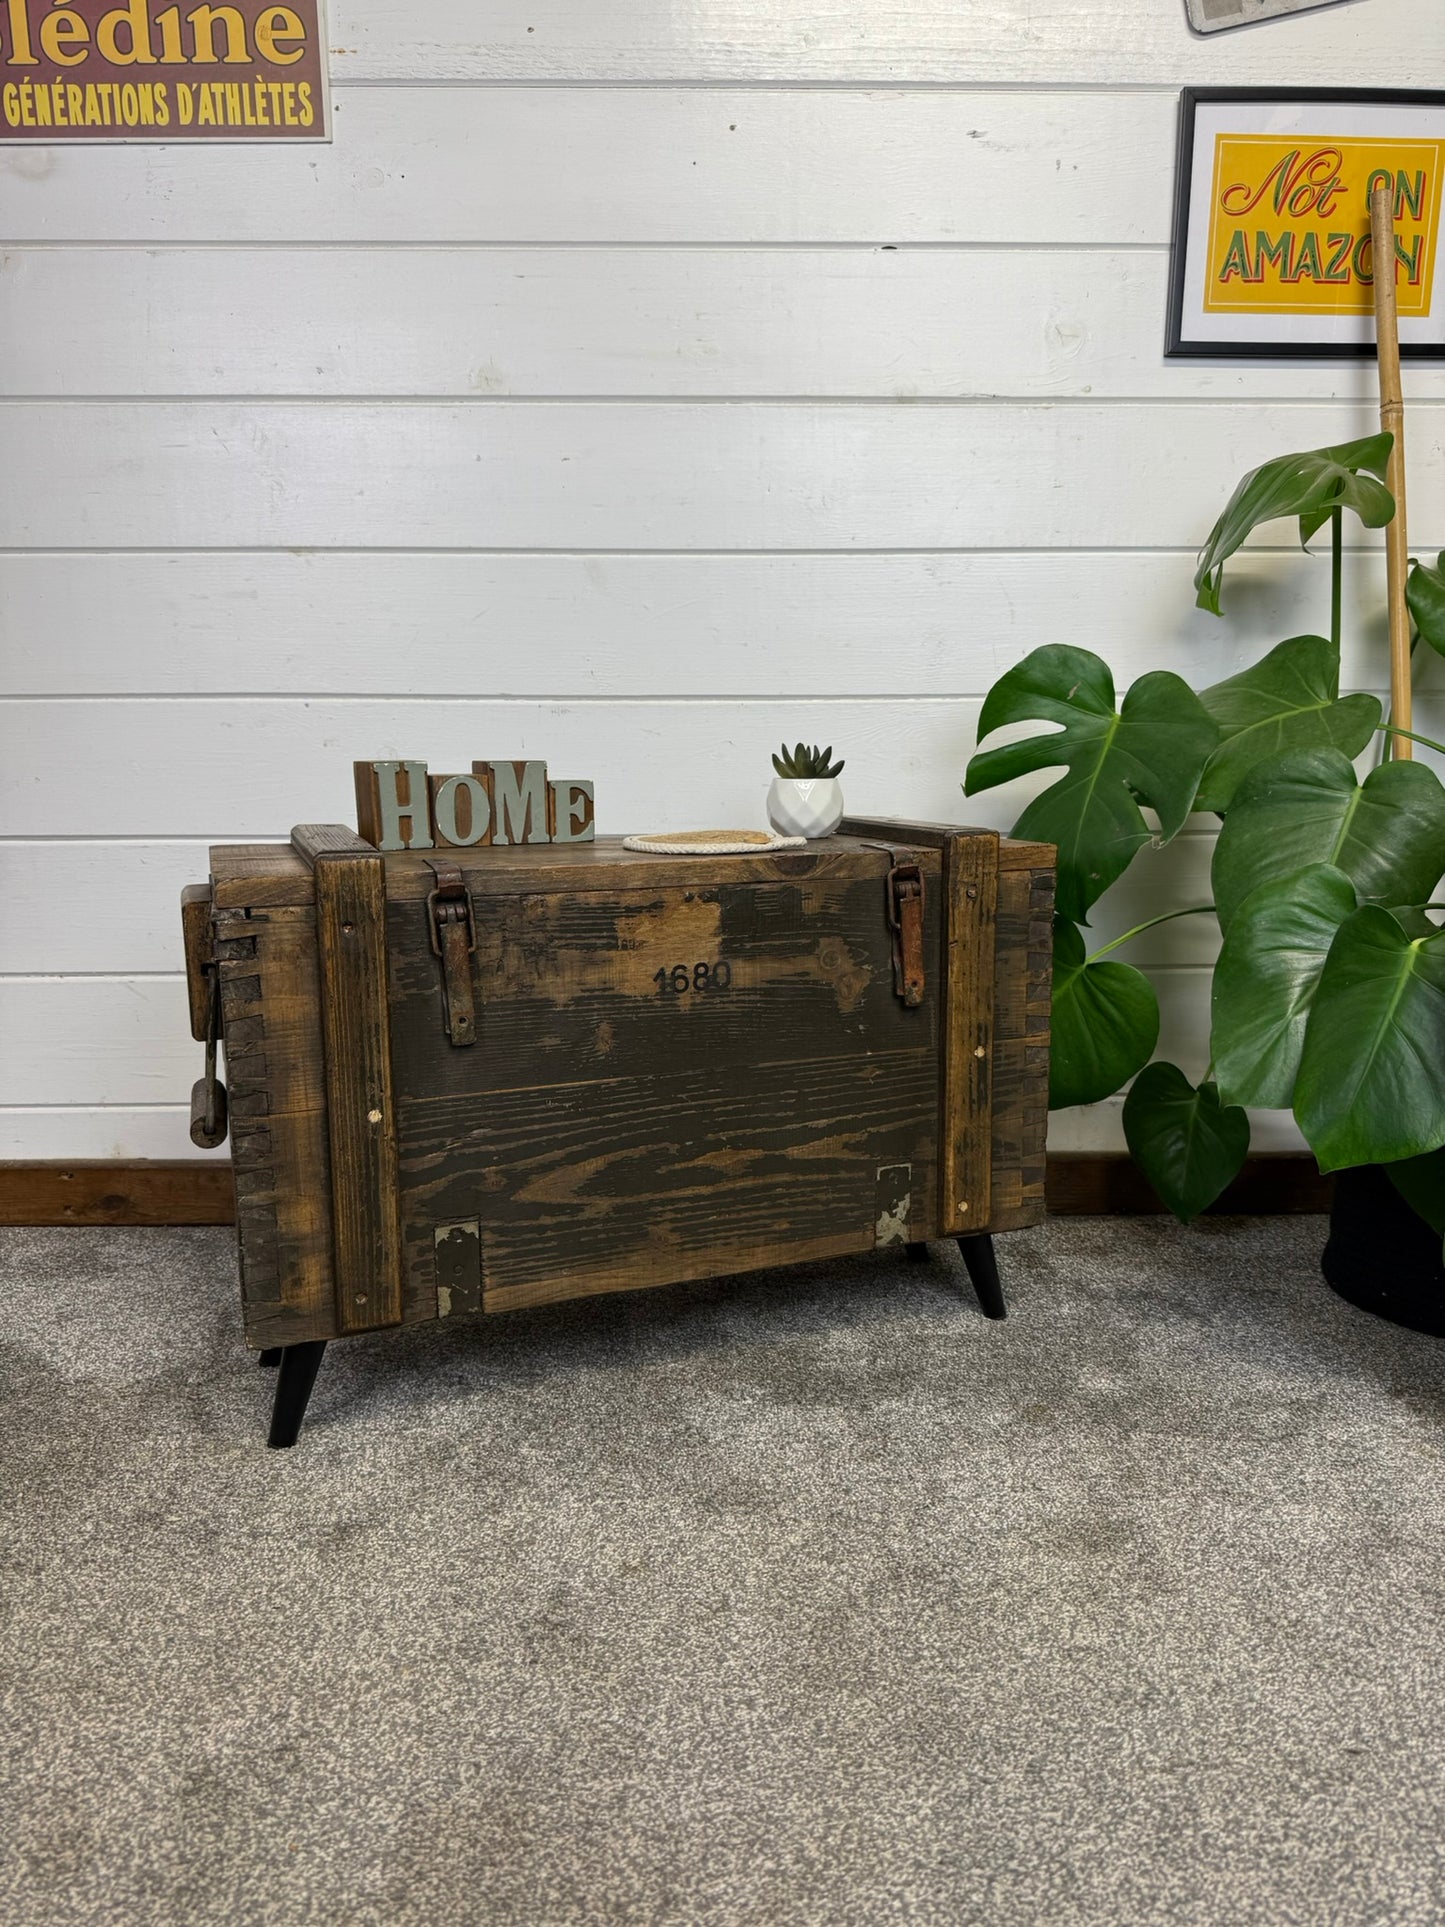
(299, 1366)
(271, 1356)
(917, 1251)
(983, 1270)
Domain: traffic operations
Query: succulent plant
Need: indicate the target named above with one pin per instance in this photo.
(801, 761)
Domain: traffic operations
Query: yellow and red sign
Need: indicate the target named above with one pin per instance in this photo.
(1272, 252)
(92, 70)
(1289, 223)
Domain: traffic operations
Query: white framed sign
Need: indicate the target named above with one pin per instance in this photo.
(1272, 253)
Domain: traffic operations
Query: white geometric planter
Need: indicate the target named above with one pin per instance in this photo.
(805, 805)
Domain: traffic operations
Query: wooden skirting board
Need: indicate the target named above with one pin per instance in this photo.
(188, 1192)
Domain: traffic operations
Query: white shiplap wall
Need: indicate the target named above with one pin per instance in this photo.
(633, 383)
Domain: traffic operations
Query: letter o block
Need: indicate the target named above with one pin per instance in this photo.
(461, 810)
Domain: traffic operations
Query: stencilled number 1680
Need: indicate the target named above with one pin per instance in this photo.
(703, 979)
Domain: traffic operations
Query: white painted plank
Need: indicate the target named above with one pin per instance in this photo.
(233, 771)
(245, 768)
(1042, 42)
(643, 625)
(1161, 882)
(96, 1041)
(806, 322)
(129, 919)
(631, 475)
(113, 1133)
(427, 164)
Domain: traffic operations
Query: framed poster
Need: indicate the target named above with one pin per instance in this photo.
(1271, 249)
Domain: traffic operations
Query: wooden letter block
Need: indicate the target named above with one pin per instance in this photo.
(393, 810)
(574, 811)
(461, 808)
(521, 801)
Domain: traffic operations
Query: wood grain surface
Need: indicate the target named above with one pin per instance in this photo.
(361, 1113)
(612, 1129)
(198, 1191)
(1021, 1016)
(986, 970)
(978, 966)
(125, 1043)
(196, 908)
(276, 1078)
(157, 1191)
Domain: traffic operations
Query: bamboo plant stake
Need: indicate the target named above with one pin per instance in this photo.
(1392, 419)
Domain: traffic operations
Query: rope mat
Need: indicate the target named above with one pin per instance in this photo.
(714, 843)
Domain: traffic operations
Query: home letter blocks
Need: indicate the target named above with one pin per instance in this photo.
(400, 807)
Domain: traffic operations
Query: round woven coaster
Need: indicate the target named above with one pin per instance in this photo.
(713, 843)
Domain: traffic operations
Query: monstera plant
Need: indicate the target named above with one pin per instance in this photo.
(1329, 990)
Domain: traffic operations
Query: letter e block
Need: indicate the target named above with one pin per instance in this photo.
(575, 809)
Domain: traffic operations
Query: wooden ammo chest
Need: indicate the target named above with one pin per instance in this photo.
(463, 1081)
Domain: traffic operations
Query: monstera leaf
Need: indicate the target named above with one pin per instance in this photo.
(1387, 834)
(1425, 593)
(1369, 1089)
(1105, 1023)
(1185, 1141)
(1310, 485)
(1288, 700)
(1265, 981)
(1152, 750)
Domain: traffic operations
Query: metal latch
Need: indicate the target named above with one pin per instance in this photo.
(905, 919)
(452, 931)
(208, 1093)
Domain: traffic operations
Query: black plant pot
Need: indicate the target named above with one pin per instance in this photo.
(1381, 1255)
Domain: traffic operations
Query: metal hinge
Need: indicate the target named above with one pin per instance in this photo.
(905, 919)
(458, 1250)
(452, 932)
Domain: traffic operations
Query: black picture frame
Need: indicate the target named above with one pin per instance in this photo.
(1178, 345)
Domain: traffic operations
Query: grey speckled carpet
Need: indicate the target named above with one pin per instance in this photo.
(809, 1597)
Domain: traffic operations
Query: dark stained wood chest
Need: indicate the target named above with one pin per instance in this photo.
(672, 1067)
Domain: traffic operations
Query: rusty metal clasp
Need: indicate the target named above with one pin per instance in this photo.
(452, 933)
(209, 1109)
(905, 919)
